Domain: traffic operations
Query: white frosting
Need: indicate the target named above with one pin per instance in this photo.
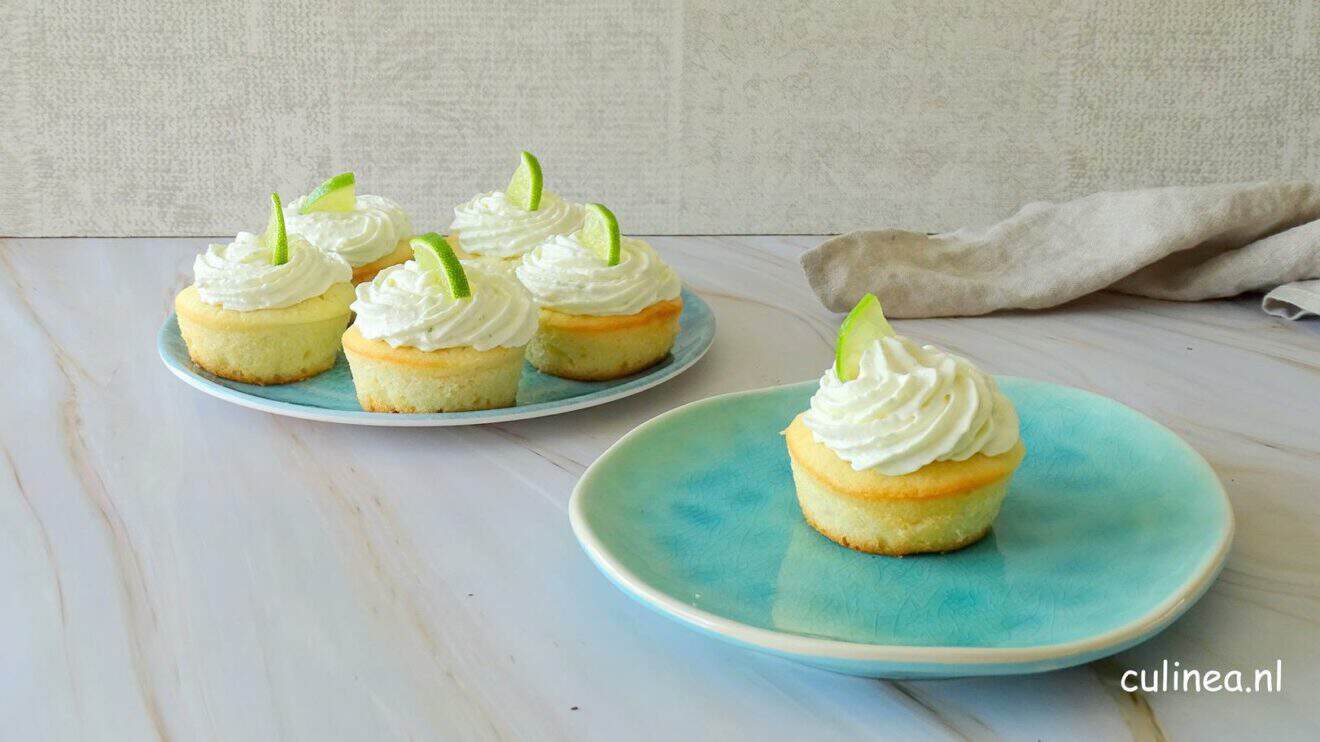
(565, 275)
(368, 233)
(240, 276)
(911, 405)
(490, 225)
(406, 306)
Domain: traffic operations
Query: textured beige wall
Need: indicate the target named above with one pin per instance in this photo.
(177, 117)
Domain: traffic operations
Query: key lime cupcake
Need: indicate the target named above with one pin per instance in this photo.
(370, 232)
(609, 305)
(265, 310)
(906, 448)
(437, 334)
(506, 224)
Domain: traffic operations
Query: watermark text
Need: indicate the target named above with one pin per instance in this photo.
(1172, 676)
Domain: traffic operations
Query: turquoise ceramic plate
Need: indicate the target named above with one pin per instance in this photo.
(329, 397)
(1113, 527)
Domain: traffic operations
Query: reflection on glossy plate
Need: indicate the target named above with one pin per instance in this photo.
(329, 397)
(1113, 527)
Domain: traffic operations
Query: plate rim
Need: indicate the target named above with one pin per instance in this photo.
(935, 657)
(434, 419)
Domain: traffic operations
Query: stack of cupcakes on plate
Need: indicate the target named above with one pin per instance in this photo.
(524, 274)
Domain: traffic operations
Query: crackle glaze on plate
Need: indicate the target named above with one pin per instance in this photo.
(1113, 527)
(329, 397)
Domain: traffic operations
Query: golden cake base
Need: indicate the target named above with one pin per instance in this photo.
(943, 506)
(389, 379)
(265, 346)
(588, 348)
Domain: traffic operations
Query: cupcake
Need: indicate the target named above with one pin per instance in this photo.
(906, 448)
(609, 305)
(506, 224)
(265, 310)
(439, 335)
(370, 232)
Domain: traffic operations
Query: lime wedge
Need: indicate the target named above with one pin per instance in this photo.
(600, 233)
(864, 325)
(433, 253)
(275, 238)
(337, 194)
(525, 188)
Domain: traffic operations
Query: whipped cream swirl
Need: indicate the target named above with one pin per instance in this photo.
(406, 306)
(909, 406)
(490, 225)
(567, 276)
(239, 276)
(368, 233)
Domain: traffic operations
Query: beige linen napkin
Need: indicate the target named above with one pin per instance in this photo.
(1179, 243)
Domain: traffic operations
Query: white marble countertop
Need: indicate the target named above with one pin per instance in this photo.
(174, 567)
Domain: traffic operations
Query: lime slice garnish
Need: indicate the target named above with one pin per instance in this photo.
(337, 194)
(525, 188)
(600, 233)
(275, 238)
(864, 325)
(433, 253)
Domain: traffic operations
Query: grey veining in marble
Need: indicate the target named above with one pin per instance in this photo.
(176, 568)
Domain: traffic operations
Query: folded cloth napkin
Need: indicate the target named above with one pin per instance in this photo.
(1179, 243)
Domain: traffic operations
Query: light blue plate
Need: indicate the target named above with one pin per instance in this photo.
(1113, 527)
(329, 397)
